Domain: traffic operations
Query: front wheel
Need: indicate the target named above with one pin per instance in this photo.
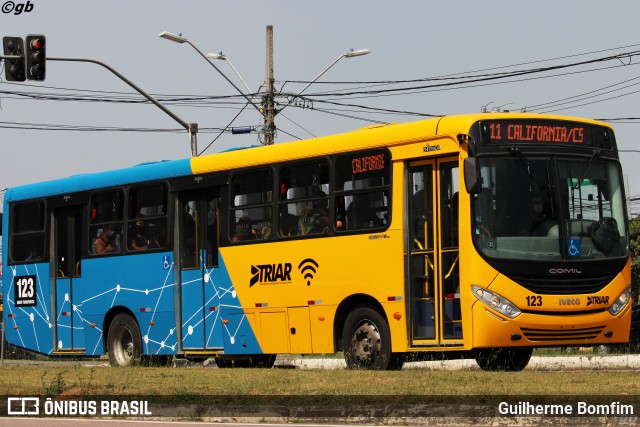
(124, 342)
(366, 341)
(503, 359)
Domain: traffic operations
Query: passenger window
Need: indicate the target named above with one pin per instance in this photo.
(303, 205)
(28, 236)
(362, 189)
(147, 220)
(251, 202)
(105, 223)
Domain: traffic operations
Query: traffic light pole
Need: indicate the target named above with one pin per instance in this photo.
(192, 128)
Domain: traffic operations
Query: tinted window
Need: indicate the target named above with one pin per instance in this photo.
(251, 198)
(362, 189)
(303, 207)
(147, 221)
(28, 239)
(105, 223)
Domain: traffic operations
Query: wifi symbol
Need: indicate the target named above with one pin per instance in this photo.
(308, 268)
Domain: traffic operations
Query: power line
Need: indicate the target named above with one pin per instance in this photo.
(453, 81)
(58, 127)
(469, 73)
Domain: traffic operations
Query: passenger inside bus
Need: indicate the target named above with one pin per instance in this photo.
(107, 240)
(140, 237)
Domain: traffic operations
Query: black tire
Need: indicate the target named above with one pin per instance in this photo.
(366, 341)
(503, 359)
(124, 342)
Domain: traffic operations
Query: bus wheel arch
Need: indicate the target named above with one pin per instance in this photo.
(123, 340)
(344, 308)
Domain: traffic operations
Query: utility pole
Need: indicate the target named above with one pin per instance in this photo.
(268, 100)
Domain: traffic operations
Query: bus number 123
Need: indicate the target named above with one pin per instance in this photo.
(534, 301)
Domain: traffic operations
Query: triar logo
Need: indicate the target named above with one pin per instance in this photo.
(308, 268)
(276, 274)
(270, 273)
(597, 300)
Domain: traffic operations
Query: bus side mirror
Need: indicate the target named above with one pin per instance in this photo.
(472, 180)
(0, 223)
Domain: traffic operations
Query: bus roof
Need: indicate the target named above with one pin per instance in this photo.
(90, 181)
(370, 137)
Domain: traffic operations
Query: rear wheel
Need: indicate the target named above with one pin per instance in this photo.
(366, 341)
(503, 359)
(124, 342)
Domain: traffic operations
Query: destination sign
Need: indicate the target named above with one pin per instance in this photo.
(366, 164)
(545, 132)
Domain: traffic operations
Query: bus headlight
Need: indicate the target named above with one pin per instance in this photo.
(621, 302)
(496, 302)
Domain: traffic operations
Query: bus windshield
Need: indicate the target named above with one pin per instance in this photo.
(549, 208)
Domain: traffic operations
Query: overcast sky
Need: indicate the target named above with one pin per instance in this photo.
(409, 40)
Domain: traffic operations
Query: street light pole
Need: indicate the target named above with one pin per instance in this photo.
(268, 109)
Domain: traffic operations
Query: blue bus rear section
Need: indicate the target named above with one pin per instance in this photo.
(176, 311)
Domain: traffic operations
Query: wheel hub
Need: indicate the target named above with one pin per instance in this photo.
(366, 343)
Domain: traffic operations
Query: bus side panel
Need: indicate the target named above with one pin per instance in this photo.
(28, 321)
(237, 326)
(145, 284)
(274, 278)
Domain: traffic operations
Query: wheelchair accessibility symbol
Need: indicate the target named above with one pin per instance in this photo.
(166, 262)
(574, 247)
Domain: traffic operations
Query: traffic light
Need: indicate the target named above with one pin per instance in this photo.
(36, 57)
(14, 68)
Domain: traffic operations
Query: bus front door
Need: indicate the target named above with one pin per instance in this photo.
(433, 261)
(197, 253)
(68, 319)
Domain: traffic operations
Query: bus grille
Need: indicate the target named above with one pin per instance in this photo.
(557, 286)
(562, 335)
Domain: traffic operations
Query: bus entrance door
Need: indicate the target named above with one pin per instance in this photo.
(433, 253)
(67, 317)
(197, 253)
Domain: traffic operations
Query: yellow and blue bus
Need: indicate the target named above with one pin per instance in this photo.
(480, 236)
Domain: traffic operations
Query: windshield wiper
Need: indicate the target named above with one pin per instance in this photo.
(522, 160)
(586, 169)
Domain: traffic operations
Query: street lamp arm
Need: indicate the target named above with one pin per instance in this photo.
(223, 57)
(239, 76)
(350, 54)
(257, 107)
